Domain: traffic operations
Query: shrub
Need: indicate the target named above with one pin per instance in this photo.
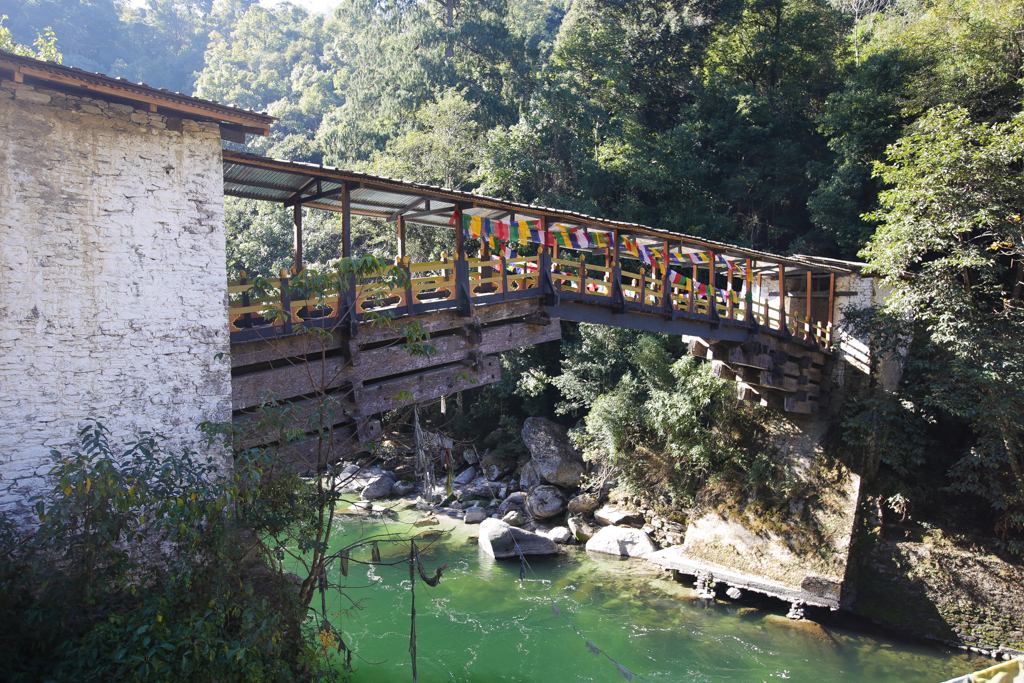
(135, 572)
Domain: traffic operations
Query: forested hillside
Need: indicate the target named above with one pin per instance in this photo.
(752, 121)
(760, 122)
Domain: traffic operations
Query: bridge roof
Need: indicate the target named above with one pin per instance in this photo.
(316, 186)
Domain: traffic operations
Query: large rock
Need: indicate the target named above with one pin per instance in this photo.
(621, 541)
(580, 529)
(499, 540)
(402, 489)
(613, 516)
(470, 456)
(514, 518)
(544, 502)
(515, 501)
(379, 487)
(495, 468)
(529, 478)
(560, 535)
(583, 504)
(556, 461)
(466, 477)
(475, 515)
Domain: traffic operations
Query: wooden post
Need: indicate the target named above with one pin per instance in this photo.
(783, 326)
(643, 287)
(608, 264)
(693, 290)
(458, 233)
(761, 294)
(297, 234)
(349, 313)
(286, 302)
(732, 314)
(504, 278)
(749, 279)
(616, 237)
(810, 332)
(462, 293)
(485, 271)
(712, 289)
(831, 304)
(247, 318)
(583, 273)
(554, 243)
(410, 298)
(666, 287)
(401, 237)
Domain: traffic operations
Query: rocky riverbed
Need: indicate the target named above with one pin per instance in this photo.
(931, 587)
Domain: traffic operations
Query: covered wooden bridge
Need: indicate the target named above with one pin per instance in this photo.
(515, 270)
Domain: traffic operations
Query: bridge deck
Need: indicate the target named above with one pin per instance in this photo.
(571, 267)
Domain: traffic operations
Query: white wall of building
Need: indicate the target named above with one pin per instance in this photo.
(112, 278)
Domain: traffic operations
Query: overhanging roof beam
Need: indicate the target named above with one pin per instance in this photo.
(430, 212)
(315, 197)
(261, 185)
(408, 207)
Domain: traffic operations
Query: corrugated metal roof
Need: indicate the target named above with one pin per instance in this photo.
(250, 175)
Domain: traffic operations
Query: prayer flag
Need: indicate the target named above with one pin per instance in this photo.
(626, 673)
(699, 257)
(582, 238)
(515, 233)
(593, 649)
(501, 230)
(598, 239)
(630, 246)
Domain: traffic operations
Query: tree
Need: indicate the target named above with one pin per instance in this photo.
(859, 10)
(972, 52)
(276, 60)
(441, 151)
(401, 53)
(45, 44)
(950, 244)
(294, 522)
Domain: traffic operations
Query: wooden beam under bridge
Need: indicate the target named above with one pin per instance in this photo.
(368, 374)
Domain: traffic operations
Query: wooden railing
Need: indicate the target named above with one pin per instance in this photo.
(453, 284)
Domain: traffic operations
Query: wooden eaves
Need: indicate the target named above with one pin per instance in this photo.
(234, 122)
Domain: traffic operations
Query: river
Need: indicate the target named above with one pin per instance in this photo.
(482, 624)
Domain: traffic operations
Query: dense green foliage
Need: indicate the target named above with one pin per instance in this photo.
(134, 573)
(660, 418)
(755, 121)
(45, 44)
(950, 244)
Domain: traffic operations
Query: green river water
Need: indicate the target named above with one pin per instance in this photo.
(482, 624)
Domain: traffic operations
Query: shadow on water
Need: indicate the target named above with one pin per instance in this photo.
(481, 624)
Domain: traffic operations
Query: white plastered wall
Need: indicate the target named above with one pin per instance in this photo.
(112, 279)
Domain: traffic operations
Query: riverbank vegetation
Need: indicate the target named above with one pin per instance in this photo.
(140, 569)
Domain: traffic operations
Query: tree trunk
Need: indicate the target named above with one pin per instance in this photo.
(449, 23)
(1018, 276)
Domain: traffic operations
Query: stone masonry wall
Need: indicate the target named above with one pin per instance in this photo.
(112, 278)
